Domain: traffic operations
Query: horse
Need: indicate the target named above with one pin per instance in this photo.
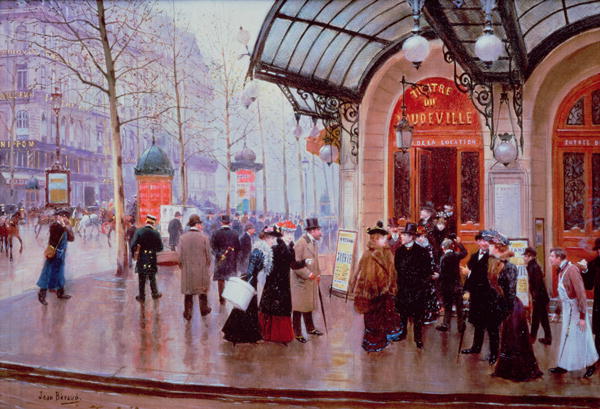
(9, 228)
(89, 221)
(45, 218)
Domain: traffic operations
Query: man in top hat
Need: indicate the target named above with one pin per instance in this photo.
(591, 279)
(450, 282)
(225, 246)
(195, 257)
(175, 230)
(394, 237)
(146, 242)
(413, 266)
(304, 282)
(52, 276)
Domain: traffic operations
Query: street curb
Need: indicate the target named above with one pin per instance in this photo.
(149, 387)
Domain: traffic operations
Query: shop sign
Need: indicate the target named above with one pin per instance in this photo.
(18, 144)
(58, 188)
(10, 95)
(578, 142)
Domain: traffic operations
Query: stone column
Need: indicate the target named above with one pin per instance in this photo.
(349, 186)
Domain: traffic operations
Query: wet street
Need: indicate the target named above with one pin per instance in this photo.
(104, 340)
(92, 255)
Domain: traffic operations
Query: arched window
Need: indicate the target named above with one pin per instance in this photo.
(44, 128)
(21, 37)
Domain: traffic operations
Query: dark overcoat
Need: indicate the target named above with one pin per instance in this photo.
(537, 286)
(277, 296)
(478, 286)
(245, 249)
(175, 231)
(413, 268)
(450, 270)
(591, 280)
(150, 243)
(226, 246)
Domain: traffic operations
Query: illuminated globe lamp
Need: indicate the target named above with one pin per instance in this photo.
(329, 154)
(416, 49)
(154, 174)
(505, 152)
(488, 46)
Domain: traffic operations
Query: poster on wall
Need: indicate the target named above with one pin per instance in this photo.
(153, 193)
(344, 258)
(518, 246)
(167, 213)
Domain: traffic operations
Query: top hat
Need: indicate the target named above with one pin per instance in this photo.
(596, 244)
(393, 222)
(194, 220)
(225, 219)
(378, 229)
(410, 228)
(429, 207)
(312, 223)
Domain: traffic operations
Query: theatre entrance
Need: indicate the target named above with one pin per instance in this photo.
(445, 163)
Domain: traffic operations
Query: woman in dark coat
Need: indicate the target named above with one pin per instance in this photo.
(276, 302)
(516, 361)
(242, 326)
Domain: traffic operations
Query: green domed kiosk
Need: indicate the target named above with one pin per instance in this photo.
(154, 174)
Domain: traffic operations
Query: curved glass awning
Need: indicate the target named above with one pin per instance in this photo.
(333, 47)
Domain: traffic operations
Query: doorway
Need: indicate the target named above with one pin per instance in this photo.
(437, 176)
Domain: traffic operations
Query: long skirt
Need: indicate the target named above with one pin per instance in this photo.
(52, 276)
(242, 326)
(432, 304)
(382, 324)
(577, 349)
(516, 361)
(276, 328)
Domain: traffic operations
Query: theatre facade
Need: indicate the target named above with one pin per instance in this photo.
(344, 63)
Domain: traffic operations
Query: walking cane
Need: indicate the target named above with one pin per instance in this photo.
(322, 307)
(462, 334)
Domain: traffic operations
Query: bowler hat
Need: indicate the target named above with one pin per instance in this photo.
(597, 244)
(410, 228)
(225, 219)
(312, 223)
(178, 214)
(194, 220)
(393, 222)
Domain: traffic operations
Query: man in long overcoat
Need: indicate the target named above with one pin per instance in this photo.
(225, 246)
(591, 279)
(245, 247)
(481, 308)
(413, 266)
(539, 297)
(450, 282)
(304, 281)
(195, 257)
(150, 243)
(175, 230)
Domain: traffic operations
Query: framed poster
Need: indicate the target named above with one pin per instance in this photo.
(58, 189)
(344, 261)
(518, 247)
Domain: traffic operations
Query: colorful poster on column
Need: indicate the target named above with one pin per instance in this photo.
(246, 190)
(518, 247)
(152, 193)
(344, 258)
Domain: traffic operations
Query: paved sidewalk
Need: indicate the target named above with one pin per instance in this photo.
(103, 334)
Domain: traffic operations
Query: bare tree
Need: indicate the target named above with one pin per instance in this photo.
(104, 44)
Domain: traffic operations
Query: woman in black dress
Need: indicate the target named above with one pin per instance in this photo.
(276, 301)
(242, 326)
(516, 360)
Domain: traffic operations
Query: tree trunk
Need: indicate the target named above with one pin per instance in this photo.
(227, 133)
(180, 135)
(117, 160)
(264, 160)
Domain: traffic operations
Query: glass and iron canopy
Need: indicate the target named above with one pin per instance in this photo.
(333, 47)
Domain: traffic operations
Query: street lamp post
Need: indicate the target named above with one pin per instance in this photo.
(305, 164)
(55, 102)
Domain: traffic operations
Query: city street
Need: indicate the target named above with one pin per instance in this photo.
(103, 337)
(83, 257)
